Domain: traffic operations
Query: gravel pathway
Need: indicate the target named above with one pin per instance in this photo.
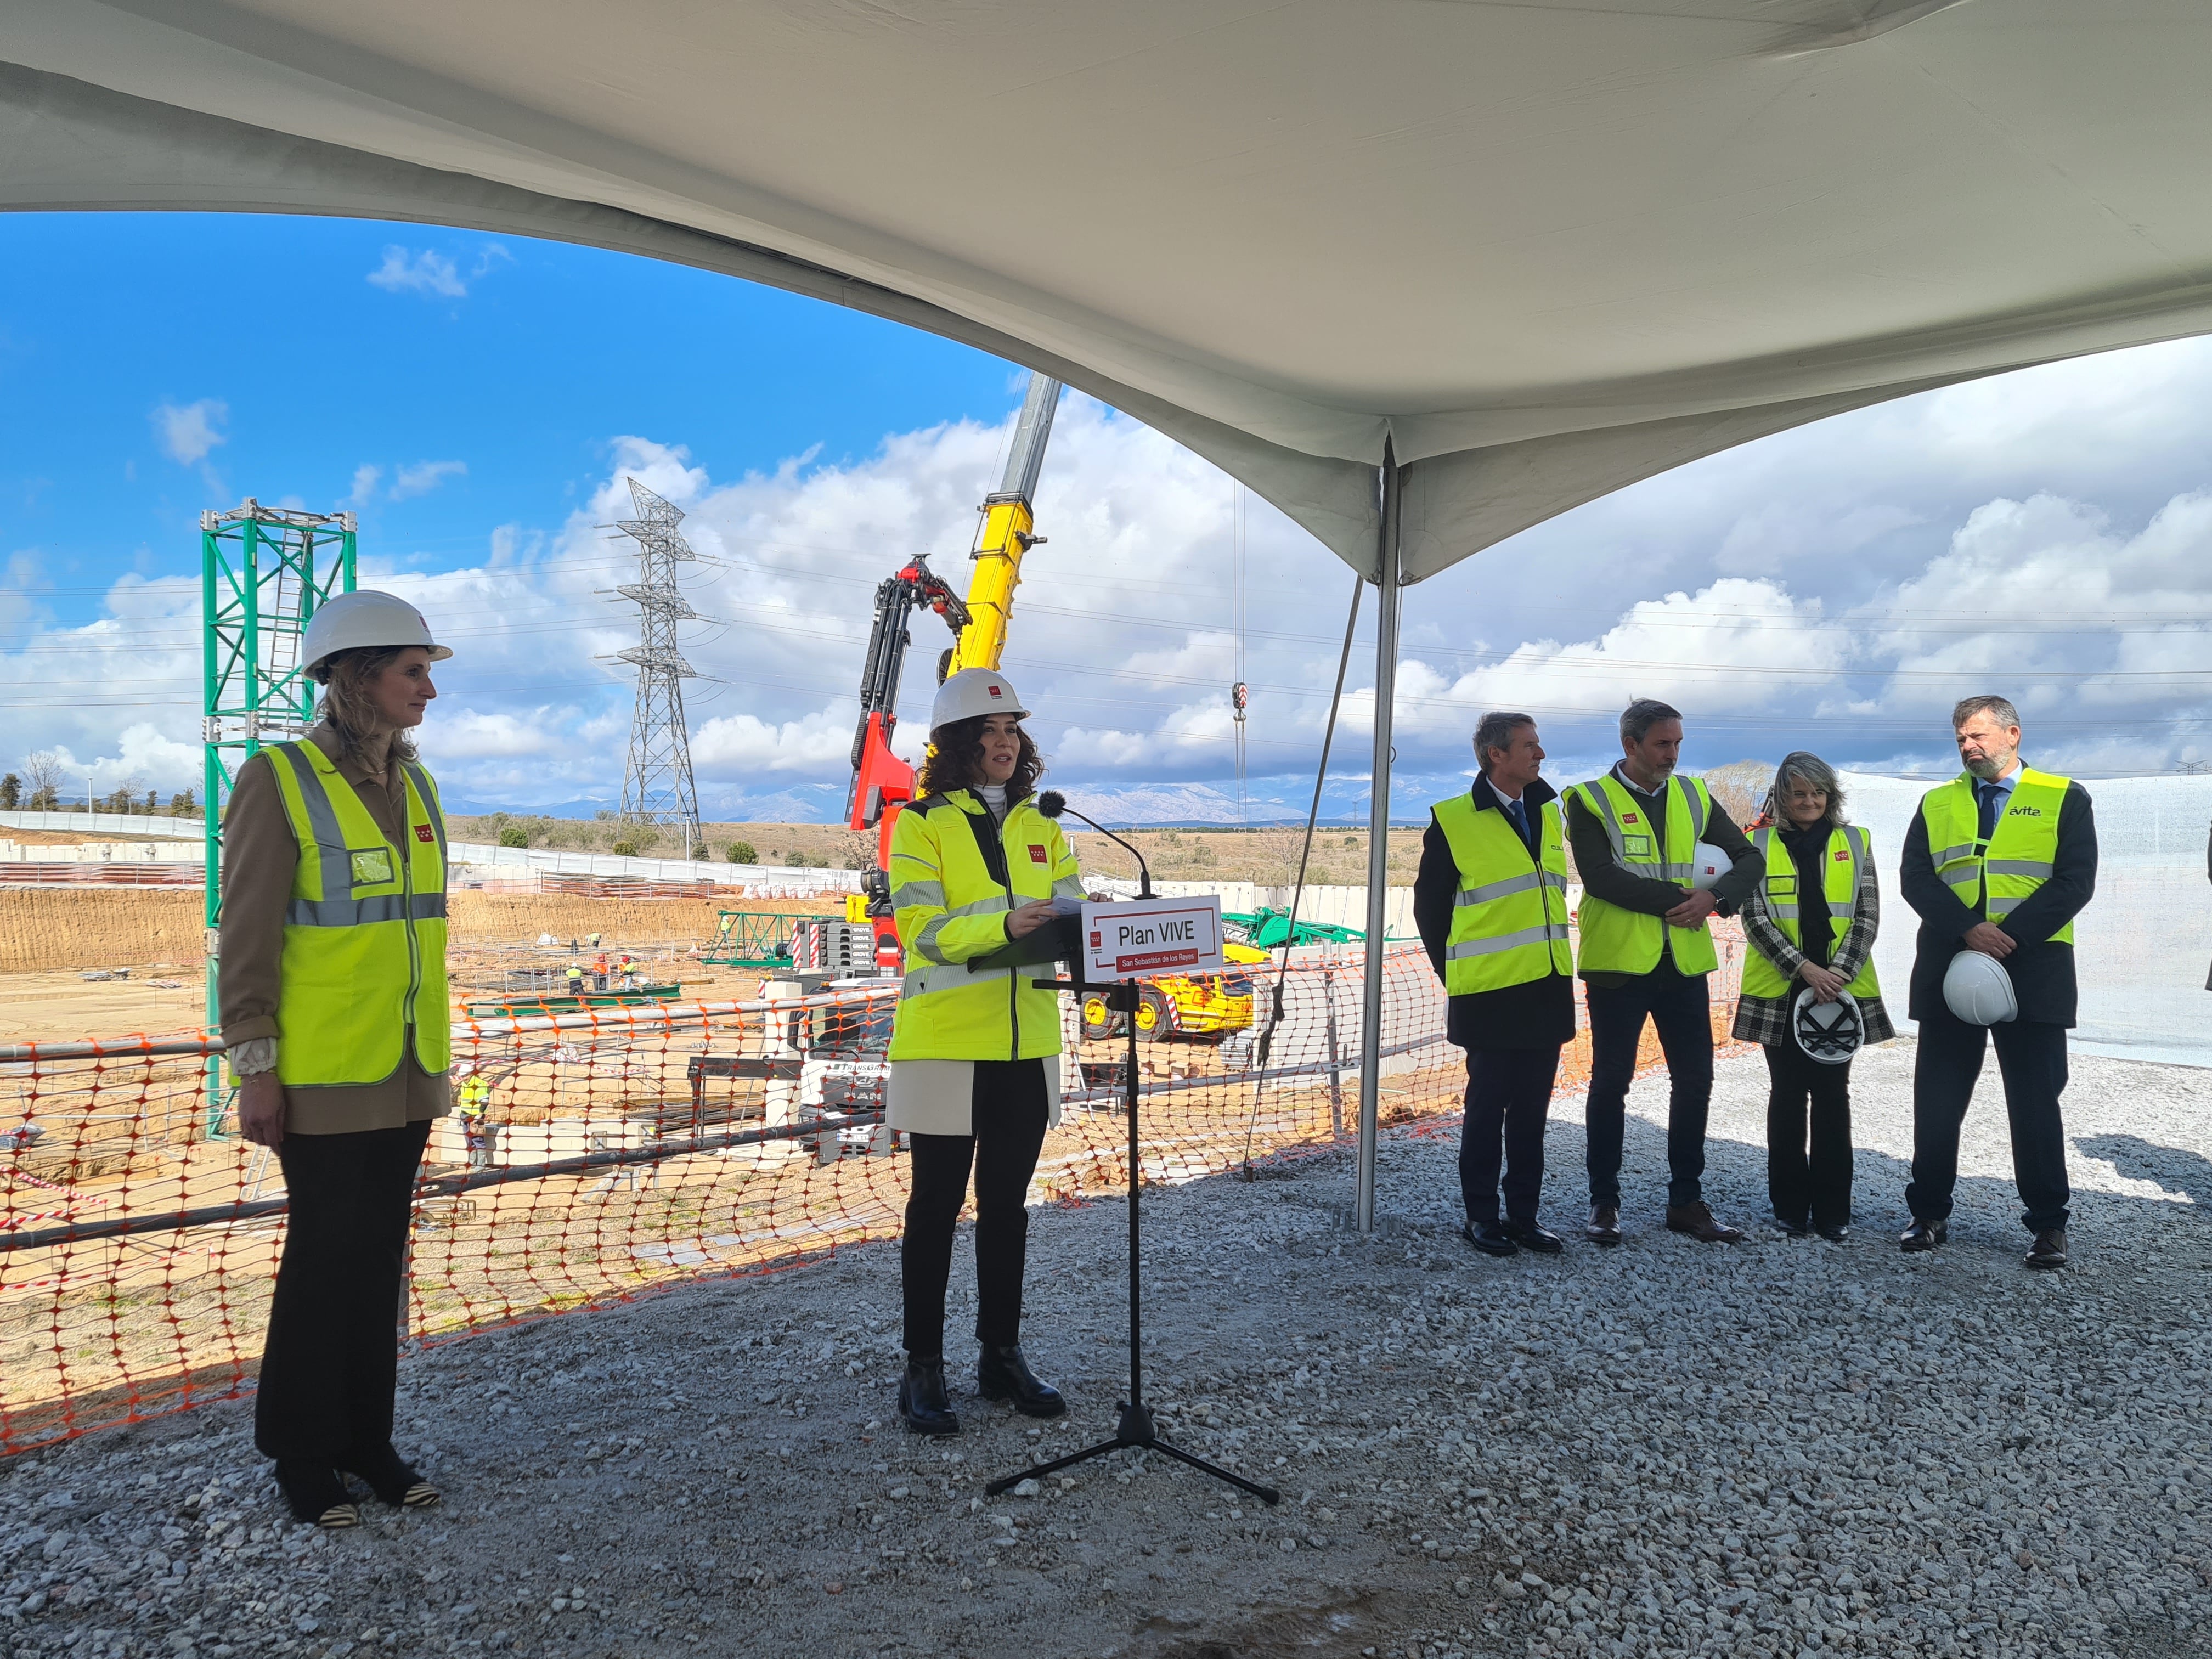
(1783, 1448)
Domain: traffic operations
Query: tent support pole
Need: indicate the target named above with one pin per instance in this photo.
(1378, 843)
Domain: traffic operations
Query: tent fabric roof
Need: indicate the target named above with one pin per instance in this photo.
(1541, 248)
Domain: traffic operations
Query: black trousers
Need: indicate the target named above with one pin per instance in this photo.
(331, 1361)
(1808, 1180)
(2031, 1058)
(1509, 1096)
(1010, 1105)
(1676, 1004)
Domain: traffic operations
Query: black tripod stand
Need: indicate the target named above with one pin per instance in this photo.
(1134, 1432)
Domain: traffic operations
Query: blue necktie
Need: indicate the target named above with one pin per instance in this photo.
(1989, 793)
(1514, 811)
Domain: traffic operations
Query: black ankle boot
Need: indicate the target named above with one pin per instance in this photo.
(922, 1401)
(1003, 1374)
(316, 1494)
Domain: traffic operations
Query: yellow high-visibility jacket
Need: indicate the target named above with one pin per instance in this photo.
(955, 874)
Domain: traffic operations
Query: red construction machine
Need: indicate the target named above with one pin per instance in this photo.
(882, 782)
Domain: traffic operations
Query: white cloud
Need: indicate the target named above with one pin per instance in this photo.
(187, 432)
(421, 478)
(365, 480)
(427, 272)
(1836, 589)
(729, 746)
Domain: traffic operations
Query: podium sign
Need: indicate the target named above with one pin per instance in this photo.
(1152, 936)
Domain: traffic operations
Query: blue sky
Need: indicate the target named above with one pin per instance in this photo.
(481, 402)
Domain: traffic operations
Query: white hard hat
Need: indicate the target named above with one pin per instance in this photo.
(971, 693)
(1977, 989)
(351, 621)
(1711, 865)
(1830, 1032)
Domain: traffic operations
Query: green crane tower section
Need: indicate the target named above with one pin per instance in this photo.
(263, 572)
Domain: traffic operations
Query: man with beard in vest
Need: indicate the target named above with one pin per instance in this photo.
(2000, 860)
(1645, 954)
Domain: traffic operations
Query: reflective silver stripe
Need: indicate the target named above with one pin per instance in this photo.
(1068, 887)
(2018, 867)
(1679, 871)
(918, 892)
(1789, 911)
(360, 912)
(1499, 890)
(322, 819)
(1514, 941)
(925, 942)
(429, 796)
(1594, 792)
(1696, 802)
(991, 906)
(1953, 854)
(922, 980)
(2000, 905)
(1511, 884)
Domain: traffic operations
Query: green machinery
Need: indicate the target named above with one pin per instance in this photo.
(263, 571)
(747, 938)
(1265, 929)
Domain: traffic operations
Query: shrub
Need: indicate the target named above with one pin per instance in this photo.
(512, 835)
(702, 851)
(799, 861)
(625, 850)
(744, 852)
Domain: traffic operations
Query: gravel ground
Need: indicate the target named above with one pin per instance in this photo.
(1788, 1447)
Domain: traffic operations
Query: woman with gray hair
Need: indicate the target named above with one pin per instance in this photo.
(1811, 922)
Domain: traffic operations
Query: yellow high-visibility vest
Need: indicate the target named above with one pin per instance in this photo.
(364, 956)
(1850, 850)
(949, 908)
(1617, 941)
(1510, 914)
(2015, 861)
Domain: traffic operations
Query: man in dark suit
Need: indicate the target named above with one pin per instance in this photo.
(1491, 907)
(1999, 860)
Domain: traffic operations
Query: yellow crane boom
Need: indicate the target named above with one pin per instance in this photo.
(1007, 532)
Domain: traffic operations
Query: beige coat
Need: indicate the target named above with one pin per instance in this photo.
(259, 855)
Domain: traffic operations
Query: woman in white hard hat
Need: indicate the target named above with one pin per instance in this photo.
(1810, 922)
(975, 1072)
(334, 1014)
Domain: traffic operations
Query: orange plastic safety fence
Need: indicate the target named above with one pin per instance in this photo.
(620, 1150)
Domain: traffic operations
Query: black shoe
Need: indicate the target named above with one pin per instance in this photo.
(1604, 1224)
(391, 1478)
(2049, 1250)
(1834, 1231)
(1697, 1221)
(1490, 1237)
(1925, 1236)
(1535, 1236)
(1791, 1229)
(1003, 1374)
(316, 1494)
(922, 1402)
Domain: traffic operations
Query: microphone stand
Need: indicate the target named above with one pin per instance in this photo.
(1134, 1430)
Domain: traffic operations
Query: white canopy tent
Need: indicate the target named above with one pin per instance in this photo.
(1421, 272)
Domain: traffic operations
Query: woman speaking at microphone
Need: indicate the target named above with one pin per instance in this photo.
(975, 1070)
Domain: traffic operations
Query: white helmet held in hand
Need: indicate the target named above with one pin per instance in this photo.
(1711, 863)
(1830, 1032)
(1977, 988)
(969, 695)
(366, 619)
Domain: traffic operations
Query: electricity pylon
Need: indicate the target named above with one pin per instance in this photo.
(657, 782)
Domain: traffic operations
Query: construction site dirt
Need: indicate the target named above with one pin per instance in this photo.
(46, 931)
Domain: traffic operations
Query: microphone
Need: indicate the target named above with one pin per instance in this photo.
(1052, 803)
